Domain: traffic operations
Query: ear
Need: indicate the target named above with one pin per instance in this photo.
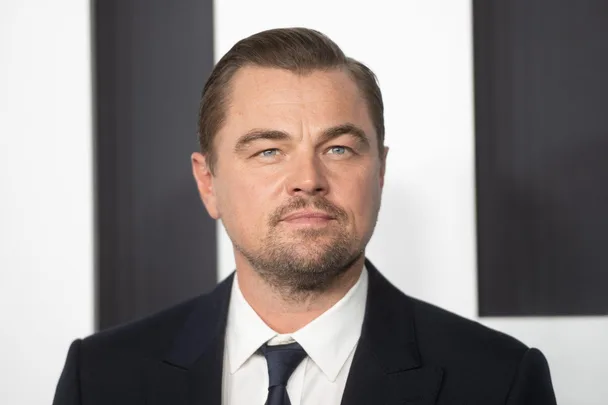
(383, 166)
(204, 182)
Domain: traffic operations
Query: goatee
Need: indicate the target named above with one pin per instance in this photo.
(311, 260)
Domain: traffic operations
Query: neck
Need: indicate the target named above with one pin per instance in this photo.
(286, 312)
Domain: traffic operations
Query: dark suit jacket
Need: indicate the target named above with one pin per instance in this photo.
(410, 352)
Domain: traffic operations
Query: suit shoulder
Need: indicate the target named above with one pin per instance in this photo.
(478, 362)
(450, 335)
(148, 336)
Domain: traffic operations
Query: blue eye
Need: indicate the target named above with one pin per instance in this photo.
(337, 150)
(268, 152)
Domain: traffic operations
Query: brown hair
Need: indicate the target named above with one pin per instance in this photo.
(299, 50)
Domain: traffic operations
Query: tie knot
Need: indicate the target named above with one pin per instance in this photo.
(282, 361)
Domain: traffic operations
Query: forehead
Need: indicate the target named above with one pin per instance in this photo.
(268, 97)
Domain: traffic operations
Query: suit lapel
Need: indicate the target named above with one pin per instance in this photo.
(191, 372)
(387, 368)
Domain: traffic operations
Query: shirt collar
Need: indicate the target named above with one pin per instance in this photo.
(246, 332)
(328, 340)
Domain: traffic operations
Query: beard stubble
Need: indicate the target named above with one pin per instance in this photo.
(305, 261)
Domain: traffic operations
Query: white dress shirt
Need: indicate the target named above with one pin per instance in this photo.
(329, 341)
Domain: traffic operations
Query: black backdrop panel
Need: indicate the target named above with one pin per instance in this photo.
(541, 100)
(156, 244)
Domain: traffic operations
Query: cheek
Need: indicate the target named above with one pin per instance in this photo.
(359, 195)
(244, 204)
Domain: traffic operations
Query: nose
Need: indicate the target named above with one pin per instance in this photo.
(307, 177)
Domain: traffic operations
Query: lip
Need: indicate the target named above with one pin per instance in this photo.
(307, 215)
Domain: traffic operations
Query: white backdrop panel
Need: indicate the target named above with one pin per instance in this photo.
(46, 204)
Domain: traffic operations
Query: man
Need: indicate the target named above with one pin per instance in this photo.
(292, 161)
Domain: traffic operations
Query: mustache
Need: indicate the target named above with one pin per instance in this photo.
(299, 203)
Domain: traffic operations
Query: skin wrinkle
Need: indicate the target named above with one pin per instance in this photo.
(288, 272)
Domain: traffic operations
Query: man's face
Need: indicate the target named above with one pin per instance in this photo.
(298, 176)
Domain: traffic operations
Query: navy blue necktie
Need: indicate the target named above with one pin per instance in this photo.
(282, 361)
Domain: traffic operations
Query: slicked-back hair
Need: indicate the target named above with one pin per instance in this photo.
(298, 50)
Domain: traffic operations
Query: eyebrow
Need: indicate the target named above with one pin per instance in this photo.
(257, 134)
(345, 129)
(328, 134)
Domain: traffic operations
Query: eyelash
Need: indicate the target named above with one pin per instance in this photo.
(346, 149)
(260, 154)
